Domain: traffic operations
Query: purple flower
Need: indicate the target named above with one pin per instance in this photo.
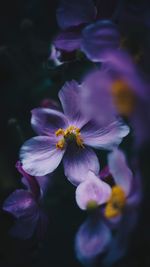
(68, 135)
(92, 238)
(24, 205)
(80, 30)
(124, 192)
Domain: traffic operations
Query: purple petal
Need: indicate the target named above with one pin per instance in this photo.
(24, 227)
(70, 100)
(68, 41)
(104, 137)
(92, 189)
(119, 169)
(77, 163)
(20, 204)
(92, 239)
(46, 121)
(39, 155)
(73, 13)
(96, 97)
(99, 37)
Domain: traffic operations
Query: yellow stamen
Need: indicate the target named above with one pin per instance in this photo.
(116, 202)
(59, 132)
(69, 134)
(124, 97)
(61, 144)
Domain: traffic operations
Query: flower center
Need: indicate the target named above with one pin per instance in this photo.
(69, 134)
(116, 202)
(124, 97)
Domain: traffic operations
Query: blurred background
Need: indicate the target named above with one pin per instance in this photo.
(27, 77)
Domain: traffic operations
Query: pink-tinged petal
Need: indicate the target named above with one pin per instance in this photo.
(99, 37)
(92, 190)
(20, 204)
(92, 239)
(46, 121)
(68, 41)
(120, 171)
(70, 100)
(104, 138)
(39, 155)
(77, 163)
(73, 13)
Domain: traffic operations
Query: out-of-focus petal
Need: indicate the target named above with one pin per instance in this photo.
(39, 155)
(119, 169)
(92, 190)
(96, 97)
(46, 121)
(70, 100)
(20, 204)
(77, 163)
(92, 239)
(68, 41)
(99, 37)
(107, 137)
(73, 13)
(24, 227)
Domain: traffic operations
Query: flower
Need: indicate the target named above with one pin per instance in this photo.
(82, 29)
(92, 239)
(121, 195)
(24, 205)
(68, 135)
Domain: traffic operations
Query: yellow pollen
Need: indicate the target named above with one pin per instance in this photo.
(59, 132)
(116, 203)
(124, 97)
(61, 144)
(71, 133)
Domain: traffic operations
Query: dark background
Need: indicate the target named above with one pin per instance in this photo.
(26, 78)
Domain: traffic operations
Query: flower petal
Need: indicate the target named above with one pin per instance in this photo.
(120, 171)
(96, 97)
(20, 204)
(92, 239)
(92, 189)
(39, 155)
(24, 227)
(77, 163)
(104, 137)
(99, 37)
(70, 100)
(46, 121)
(73, 13)
(68, 41)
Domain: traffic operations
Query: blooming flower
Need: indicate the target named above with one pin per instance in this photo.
(75, 19)
(24, 205)
(116, 199)
(69, 134)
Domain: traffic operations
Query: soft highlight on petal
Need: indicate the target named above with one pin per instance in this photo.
(99, 37)
(46, 121)
(120, 171)
(105, 137)
(39, 155)
(77, 163)
(92, 189)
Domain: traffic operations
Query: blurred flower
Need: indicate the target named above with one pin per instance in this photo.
(68, 135)
(92, 239)
(82, 29)
(24, 205)
(94, 192)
